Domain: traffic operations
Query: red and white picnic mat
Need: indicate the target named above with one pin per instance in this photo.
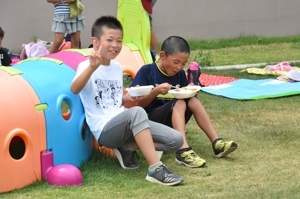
(208, 80)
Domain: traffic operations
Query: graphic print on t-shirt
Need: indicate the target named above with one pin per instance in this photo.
(108, 93)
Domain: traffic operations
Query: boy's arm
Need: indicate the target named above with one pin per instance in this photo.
(79, 83)
(95, 61)
(160, 89)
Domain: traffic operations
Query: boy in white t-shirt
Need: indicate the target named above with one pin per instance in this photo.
(99, 82)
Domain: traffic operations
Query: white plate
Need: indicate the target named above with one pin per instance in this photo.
(182, 94)
(140, 90)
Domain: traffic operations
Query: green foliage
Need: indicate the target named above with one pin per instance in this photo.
(203, 59)
(240, 41)
(34, 38)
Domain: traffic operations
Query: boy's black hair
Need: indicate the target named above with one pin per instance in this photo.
(175, 44)
(105, 21)
(1, 33)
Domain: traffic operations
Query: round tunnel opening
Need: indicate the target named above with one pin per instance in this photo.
(17, 148)
(65, 110)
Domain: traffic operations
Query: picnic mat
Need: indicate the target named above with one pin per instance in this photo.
(208, 80)
(245, 89)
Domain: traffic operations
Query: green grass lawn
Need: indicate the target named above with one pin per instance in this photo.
(265, 165)
(247, 50)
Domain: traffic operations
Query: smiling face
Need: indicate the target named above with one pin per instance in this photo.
(111, 40)
(172, 64)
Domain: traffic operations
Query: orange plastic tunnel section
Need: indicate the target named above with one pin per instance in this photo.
(22, 132)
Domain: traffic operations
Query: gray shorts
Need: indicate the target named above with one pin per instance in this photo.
(121, 129)
(64, 24)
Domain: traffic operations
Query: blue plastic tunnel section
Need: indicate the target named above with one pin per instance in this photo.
(51, 80)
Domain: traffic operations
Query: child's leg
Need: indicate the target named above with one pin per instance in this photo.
(165, 138)
(178, 120)
(128, 128)
(146, 145)
(202, 118)
(176, 115)
(75, 38)
(58, 40)
(221, 147)
(172, 114)
(134, 121)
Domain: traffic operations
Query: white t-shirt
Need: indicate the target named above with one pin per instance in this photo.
(102, 95)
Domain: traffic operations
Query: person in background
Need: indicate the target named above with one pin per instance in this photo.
(148, 6)
(62, 24)
(4, 56)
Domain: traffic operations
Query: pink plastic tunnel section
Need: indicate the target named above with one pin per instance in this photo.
(71, 57)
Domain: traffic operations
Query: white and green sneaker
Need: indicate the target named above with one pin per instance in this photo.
(189, 158)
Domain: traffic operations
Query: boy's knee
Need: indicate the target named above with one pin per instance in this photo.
(178, 137)
(180, 104)
(175, 141)
(138, 111)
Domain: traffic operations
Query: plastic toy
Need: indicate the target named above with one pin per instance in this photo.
(61, 175)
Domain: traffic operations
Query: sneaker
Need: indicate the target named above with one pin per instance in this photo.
(222, 148)
(126, 158)
(189, 158)
(163, 175)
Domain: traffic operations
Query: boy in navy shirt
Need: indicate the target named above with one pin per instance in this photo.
(175, 113)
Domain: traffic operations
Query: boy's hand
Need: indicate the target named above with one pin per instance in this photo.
(95, 58)
(128, 97)
(162, 88)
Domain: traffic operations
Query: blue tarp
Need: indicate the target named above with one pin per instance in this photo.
(245, 89)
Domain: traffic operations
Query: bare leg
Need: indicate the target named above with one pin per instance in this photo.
(202, 118)
(146, 145)
(75, 37)
(154, 42)
(178, 120)
(58, 40)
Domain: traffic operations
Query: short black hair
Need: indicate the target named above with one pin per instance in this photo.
(105, 21)
(1, 33)
(175, 44)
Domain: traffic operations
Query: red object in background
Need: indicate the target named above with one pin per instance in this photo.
(208, 80)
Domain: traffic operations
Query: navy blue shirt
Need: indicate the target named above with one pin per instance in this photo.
(4, 57)
(151, 75)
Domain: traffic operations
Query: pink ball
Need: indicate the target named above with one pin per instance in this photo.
(64, 175)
